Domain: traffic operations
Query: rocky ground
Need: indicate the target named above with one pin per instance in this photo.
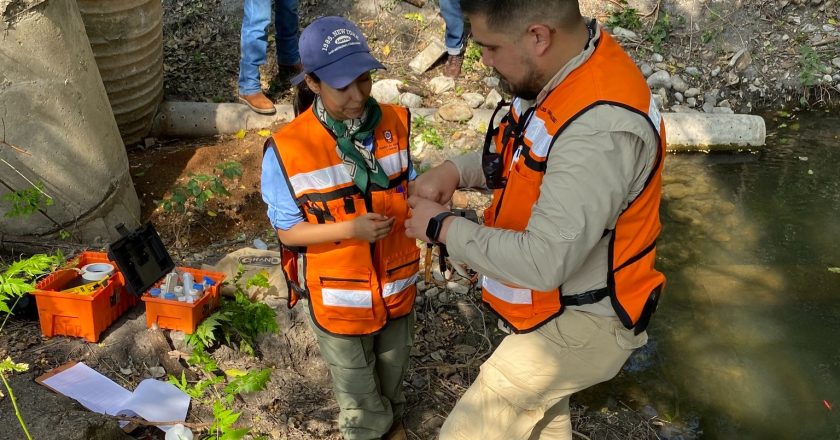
(707, 56)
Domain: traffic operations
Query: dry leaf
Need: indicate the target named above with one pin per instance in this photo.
(264, 133)
(386, 50)
(240, 134)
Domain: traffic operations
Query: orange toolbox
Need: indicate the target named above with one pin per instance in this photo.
(145, 264)
(84, 315)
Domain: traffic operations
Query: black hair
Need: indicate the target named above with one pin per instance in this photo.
(304, 96)
(516, 14)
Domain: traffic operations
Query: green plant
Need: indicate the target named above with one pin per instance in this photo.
(660, 32)
(237, 324)
(428, 133)
(195, 391)
(8, 366)
(432, 137)
(27, 201)
(625, 17)
(810, 66)
(472, 57)
(15, 281)
(248, 383)
(223, 420)
(709, 35)
(200, 188)
(239, 321)
(418, 123)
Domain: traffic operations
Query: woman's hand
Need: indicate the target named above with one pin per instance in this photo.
(372, 227)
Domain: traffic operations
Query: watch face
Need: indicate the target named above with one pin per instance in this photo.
(433, 229)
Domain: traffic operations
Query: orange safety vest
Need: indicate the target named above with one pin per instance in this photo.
(609, 77)
(353, 286)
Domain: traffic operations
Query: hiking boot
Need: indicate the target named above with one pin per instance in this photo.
(258, 103)
(397, 432)
(452, 68)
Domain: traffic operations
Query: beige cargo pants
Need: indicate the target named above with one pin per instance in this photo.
(523, 389)
(367, 374)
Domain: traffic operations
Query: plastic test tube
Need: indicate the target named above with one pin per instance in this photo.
(187, 281)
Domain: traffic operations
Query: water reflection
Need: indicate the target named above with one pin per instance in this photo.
(747, 336)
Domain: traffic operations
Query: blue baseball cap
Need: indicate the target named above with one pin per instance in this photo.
(336, 51)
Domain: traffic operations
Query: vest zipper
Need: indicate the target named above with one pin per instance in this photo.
(394, 269)
(349, 280)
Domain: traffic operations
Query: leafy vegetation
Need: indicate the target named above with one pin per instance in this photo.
(625, 17)
(237, 324)
(810, 66)
(472, 57)
(27, 201)
(201, 188)
(660, 32)
(428, 133)
(17, 280)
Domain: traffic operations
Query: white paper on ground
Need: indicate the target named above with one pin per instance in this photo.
(153, 400)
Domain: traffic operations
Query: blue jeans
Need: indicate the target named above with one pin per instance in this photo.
(254, 39)
(450, 10)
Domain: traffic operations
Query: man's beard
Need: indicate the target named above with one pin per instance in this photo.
(528, 89)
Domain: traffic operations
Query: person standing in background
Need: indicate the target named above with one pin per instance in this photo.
(454, 39)
(254, 45)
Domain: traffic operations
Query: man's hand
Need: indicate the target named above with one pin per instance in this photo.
(422, 210)
(437, 184)
(372, 226)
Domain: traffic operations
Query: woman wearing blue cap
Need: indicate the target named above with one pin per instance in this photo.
(336, 180)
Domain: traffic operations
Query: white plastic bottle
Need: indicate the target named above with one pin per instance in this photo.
(179, 432)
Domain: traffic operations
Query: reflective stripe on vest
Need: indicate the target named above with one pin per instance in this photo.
(347, 298)
(398, 286)
(608, 77)
(512, 295)
(353, 287)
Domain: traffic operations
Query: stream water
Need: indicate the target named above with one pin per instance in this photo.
(746, 342)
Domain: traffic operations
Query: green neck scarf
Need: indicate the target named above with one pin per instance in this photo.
(360, 163)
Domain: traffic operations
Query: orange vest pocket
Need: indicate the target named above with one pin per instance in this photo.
(399, 283)
(520, 194)
(345, 294)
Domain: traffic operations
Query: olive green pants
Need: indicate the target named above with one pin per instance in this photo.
(367, 374)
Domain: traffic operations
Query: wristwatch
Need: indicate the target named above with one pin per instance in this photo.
(435, 225)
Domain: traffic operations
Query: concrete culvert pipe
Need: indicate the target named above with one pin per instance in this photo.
(685, 131)
(127, 41)
(57, 129)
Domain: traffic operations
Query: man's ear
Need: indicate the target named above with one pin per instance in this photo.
(313, 85)
(540, 35)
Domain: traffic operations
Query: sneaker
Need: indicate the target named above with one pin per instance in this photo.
(397, 432)
(452, 68)
(258, 103)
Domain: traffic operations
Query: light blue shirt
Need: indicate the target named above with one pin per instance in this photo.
(283, 212)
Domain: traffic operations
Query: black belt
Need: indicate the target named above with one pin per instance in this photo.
(582, 299)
